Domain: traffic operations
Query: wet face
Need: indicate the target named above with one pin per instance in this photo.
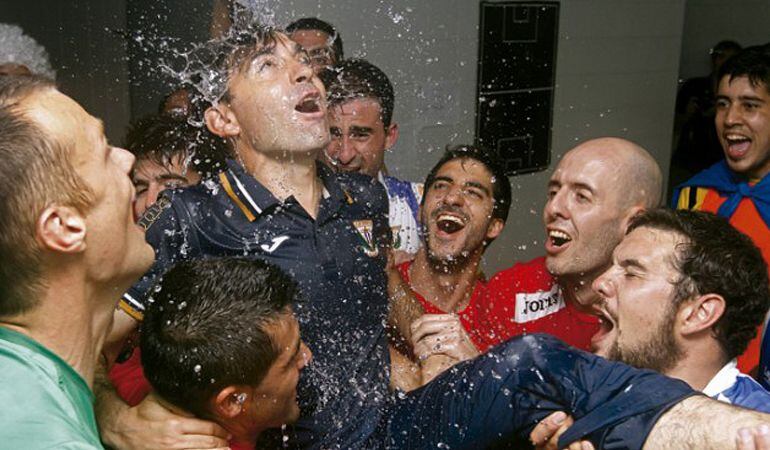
(358, 137)
(151, 178)
(743, 125)
(583, 216)
(275, 398)
(637, 311)
(278, 102)
(115, 246)
(457, 213)
(318, 46)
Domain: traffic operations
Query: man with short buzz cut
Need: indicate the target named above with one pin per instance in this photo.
(738, 188)
(68, 244)
(221, 342)
(683, 296)
(320, 39)
(361, 104)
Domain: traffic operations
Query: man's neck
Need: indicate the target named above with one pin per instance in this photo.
(286, 175)
(450, 291)
(700, 363)
(577, 292)
(71, 321)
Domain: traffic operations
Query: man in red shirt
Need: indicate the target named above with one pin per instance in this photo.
(594, 192)
(465, 207)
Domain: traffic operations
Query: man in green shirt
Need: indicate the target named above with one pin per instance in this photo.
(68, 248)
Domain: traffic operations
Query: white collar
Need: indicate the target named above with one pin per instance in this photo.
(723, 380)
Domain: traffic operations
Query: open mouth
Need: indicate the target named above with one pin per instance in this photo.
(309, 104)
(449, 223)
(558, 238)
(606, 327)
(737, 144)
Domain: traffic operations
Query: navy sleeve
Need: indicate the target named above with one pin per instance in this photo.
(170, 235)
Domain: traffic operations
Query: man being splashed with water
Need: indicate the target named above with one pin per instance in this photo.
(328, 231)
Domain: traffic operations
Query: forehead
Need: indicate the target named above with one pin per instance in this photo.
(596, 169)
(310, 39)
(742, 85)
(652, 247)
(284, 331)
(63, 118)
(464, 170)
(363, 109)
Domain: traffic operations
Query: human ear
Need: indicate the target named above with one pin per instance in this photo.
(62, 229)
(221, 121)
(229, 401)
(701, 313)
(391, 136)
(495, 228)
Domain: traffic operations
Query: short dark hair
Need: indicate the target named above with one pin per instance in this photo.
(205, 328)
(723, 47)
(163, 138)
(715, 258)
(36, 171)
(313, 23)
(358, 78)
(752, 62)
(501, 185)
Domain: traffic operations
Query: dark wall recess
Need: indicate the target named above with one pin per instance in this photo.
(516, 78)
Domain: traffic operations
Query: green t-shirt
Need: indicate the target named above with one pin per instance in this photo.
(45, 404)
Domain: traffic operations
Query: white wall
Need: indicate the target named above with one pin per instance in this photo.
(707, 22)
(616, 74)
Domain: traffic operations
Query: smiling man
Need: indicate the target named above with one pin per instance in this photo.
(361, 103)
(738, 187)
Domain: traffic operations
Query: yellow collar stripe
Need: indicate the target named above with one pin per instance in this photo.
(229, 189)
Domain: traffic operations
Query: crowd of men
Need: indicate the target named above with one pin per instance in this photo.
(261, 281)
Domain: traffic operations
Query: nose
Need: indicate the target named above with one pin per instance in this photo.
(603, 285)
(302, 72)
(733, 114)
(153, 191)
(124, 157)
(307, 355)
(347, 151)
(555, 206)
(454, 196)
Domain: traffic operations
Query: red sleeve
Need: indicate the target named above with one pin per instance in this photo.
(128, 379)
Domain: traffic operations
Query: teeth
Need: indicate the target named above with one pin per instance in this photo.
(559, 235)
(454, 219)
(736, 137)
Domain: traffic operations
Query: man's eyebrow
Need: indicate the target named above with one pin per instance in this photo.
(581, 185)
(752, 98)
(632, 262)
(478, 186)
(171, 176)
(359, 129)
(443, 178)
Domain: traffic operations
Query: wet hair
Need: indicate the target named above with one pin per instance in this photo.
(358, 78)
(206, 328)
(751, 62)
(164, 139)
(313, 23)
(715, 258)
(501, 185)
(228, 55)
(36, 171)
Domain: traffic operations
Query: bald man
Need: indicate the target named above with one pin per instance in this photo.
(586, 215)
